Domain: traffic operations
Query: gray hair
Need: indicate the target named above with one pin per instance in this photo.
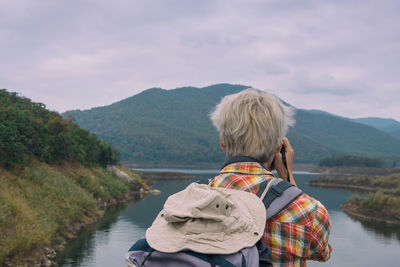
(252, 123)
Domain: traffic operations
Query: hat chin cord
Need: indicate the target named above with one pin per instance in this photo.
(267, 188)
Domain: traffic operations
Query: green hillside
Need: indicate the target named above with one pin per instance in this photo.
(171, 127)
(159, 126)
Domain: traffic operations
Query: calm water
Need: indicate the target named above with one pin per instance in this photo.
(354, 244)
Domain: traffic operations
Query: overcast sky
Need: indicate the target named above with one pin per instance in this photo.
(339, 56)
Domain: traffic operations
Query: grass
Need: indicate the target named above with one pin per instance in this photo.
(41, 201)
(383, 202)
(378, 204)
(390, 184)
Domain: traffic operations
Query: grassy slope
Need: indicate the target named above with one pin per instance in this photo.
(41, 202)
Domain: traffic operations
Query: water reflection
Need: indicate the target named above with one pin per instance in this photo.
(77, 250)
(386, 231)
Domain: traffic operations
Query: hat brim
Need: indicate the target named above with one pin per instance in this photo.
(165, 237)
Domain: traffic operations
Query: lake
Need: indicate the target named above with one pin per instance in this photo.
(354, 243)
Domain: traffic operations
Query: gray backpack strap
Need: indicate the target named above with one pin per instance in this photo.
(279, 195)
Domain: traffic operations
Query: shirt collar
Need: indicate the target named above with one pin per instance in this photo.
(244, 164)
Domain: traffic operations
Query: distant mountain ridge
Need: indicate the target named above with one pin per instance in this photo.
(387, 125)
(160, 127)
(390, 126)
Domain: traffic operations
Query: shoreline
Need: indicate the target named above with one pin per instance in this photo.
(297, 167)
(300, 167)
(355, 171)
(318, 183)
(153, 175)
(357, 212)
(46, 255)
(360, 212)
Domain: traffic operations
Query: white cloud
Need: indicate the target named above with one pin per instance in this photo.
(339, 56)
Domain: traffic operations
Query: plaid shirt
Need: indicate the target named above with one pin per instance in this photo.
(298, 233)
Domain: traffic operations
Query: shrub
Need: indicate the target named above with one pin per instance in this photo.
(350, 160)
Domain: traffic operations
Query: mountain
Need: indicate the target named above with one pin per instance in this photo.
(390, 126)
(347, 136)
(322, 112)
(171, 127)
(160, 126)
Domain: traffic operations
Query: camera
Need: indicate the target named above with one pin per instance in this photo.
(283, 152)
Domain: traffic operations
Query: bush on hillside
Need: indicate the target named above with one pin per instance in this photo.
(28, 130)
(350, 160)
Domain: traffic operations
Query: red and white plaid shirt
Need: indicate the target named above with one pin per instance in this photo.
(298, 233)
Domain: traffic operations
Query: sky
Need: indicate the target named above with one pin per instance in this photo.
(341, 56)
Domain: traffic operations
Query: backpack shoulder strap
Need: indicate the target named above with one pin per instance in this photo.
(278, 194)
(141, 252)
(141, 245)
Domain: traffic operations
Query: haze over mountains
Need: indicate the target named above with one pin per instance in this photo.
(171, 128)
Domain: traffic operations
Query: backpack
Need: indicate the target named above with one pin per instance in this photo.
(141, 254)
(275, 195)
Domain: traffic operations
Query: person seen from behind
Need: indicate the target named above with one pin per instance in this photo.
(252, 126)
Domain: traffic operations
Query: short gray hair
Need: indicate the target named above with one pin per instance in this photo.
(252, 123)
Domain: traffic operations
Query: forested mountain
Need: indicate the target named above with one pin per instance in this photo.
(171, 127)
(159, 126)
(390, 126)
(29, 131)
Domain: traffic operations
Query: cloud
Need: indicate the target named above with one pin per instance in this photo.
(317, 84)
(85, 54)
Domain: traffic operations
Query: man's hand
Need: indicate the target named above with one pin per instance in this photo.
(279, 165)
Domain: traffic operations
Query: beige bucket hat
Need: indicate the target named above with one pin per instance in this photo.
(208, 220)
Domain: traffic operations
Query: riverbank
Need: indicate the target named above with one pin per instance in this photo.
(353, 171)
(165, 175)
(382, 204)
(42, 206)
(302, 167)
(359, 213)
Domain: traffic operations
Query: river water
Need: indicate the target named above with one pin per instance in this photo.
(354, 243)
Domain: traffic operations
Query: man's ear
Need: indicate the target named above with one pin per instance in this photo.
(223, 147)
